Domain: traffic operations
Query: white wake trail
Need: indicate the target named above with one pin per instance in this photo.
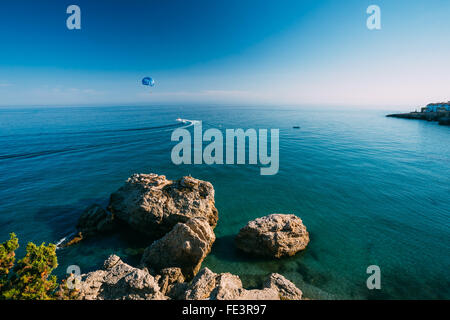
(58, 244)
(189, 122)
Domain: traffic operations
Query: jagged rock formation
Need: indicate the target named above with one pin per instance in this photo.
(226, 286)
(185, 246)
(275, 235)
(182, 214)
(171, 281)
(119, 281)
(153, 205)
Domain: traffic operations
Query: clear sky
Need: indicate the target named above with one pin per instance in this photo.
(287, 52)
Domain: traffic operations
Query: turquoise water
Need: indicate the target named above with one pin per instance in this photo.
(370, 189)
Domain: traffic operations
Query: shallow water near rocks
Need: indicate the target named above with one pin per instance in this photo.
(370, 190)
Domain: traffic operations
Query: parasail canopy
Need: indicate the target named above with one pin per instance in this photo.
(148, 81)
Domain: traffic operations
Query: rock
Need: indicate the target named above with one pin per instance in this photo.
(263, 294)
(226, 286)
(153, 205)
(94, 220)
(74, 240)
(275, 235)
(168, 277)
(111, 261)
(444, 121)
(185, 247)
(119, 281)
(177, 290)
(201, 286)
(286, 289)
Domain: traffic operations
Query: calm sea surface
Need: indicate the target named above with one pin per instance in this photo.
(371, 190)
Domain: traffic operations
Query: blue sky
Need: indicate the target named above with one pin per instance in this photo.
(288, 52)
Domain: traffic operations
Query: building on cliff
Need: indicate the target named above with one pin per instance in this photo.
(437, 107)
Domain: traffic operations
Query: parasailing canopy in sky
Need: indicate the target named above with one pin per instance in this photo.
(148, 81)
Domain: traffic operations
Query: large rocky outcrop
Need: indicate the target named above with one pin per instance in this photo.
(185, 247)
(275, 235)
(182, 214)
(226, 286)
(154, 205)
(119, 281)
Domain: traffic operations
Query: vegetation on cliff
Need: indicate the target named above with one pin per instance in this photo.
(30, 278)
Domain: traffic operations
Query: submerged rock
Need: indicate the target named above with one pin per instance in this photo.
(95, 220)
(73, 240)
(153, 205)
(275, 235)
(119, 281)
(185, 247)
(226, 286)
(201, 286)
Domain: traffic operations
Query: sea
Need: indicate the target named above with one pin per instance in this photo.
(371, 190)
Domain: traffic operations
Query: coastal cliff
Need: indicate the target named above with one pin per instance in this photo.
(443, 118)
(439, 112)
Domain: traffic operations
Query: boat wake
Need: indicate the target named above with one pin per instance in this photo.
(188, 122)
(63, 240)
(78, 148)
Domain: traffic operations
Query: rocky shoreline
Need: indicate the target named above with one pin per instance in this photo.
(120, 281)
(443, 118)
(181, 216)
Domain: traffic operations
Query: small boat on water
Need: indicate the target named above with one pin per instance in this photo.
(296, 127)
(181, 120)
